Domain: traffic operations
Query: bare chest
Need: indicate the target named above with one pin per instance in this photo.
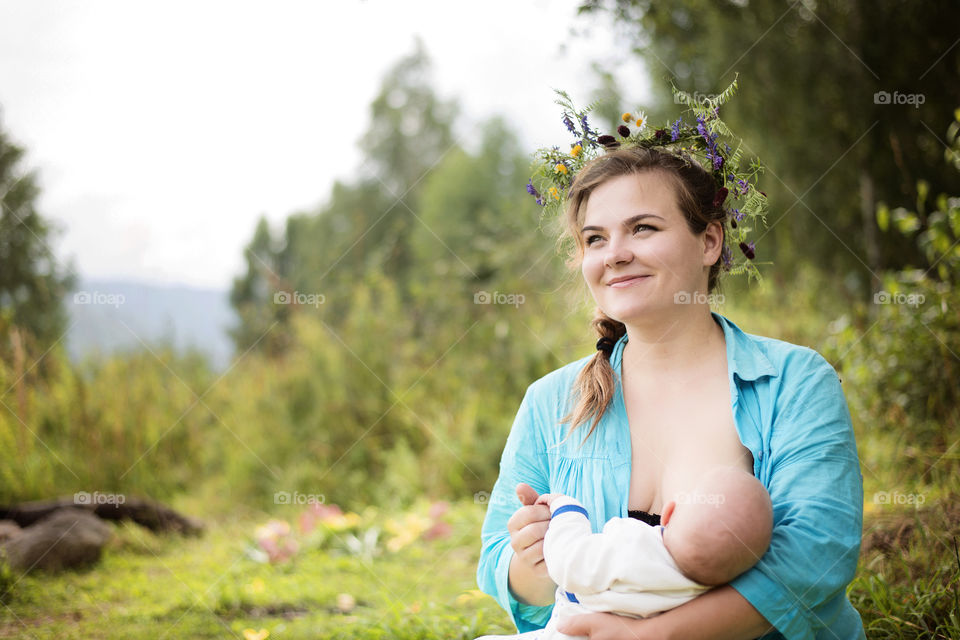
(677, 432)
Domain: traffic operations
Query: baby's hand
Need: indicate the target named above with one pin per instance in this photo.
(548, 498)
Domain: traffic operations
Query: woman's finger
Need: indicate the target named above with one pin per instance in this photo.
(525, 516)
(526, 493)
(532, 554)
(529, 536)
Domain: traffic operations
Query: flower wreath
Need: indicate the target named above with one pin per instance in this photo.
(554, 169)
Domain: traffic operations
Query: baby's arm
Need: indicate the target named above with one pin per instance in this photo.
(578, 560)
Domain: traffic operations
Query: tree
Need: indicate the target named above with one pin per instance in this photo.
(366, 225)
(840, 100)
(32, 282)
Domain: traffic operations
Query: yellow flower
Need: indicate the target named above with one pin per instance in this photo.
(250, 634)
(257, 585)
(560, 168)
(576, 150)
(553, 191)
(470, 596)
(405, 531)
(343, 521)
(627, 117)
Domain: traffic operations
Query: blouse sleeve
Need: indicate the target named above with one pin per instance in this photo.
(523, 460)
(799, 585)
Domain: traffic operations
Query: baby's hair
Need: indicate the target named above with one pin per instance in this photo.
(723, 528)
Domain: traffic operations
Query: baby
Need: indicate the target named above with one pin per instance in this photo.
(705, 539)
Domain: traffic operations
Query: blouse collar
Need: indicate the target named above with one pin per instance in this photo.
(745, 358)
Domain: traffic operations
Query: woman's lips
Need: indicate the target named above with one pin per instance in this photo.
(627, 283)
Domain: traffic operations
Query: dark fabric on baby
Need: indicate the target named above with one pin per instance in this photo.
(652, 519)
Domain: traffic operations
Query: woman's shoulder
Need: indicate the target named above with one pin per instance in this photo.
(774, 356)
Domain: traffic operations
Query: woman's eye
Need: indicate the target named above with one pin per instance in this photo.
(642, 226)
(590, 239)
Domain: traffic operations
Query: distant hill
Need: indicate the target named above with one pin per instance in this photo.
(113, 315)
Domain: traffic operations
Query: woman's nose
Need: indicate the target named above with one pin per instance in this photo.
(618, 252)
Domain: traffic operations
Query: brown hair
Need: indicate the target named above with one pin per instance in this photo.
(695, 190)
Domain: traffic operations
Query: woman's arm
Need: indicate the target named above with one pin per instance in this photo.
(811, 469)
(531, 585)
(498, 572)
(529, 581)
(718, 614)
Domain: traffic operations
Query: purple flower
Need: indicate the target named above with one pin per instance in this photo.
(736, 214)
(709, 138)
(727, 257)
(744, 187)
(675, 131)
(702, 129)
(659, 133)
(624, 131)
(748, 249)
(716, 157)
(569, 124)
(588, 133)
(532, 190)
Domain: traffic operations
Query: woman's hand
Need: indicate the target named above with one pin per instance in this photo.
(607, 626)
(718, 614)
(528, 579)
(527, 527)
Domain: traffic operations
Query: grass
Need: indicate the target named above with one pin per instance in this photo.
(210, 587)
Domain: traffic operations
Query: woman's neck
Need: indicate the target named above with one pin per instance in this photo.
(676, 343)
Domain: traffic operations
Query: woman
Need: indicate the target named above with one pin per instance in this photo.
(673, 390)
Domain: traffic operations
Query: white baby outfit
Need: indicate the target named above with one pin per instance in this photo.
(625, 570)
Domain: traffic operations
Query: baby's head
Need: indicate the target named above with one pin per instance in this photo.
(721, 529)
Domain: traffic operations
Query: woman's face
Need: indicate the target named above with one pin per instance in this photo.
(640, 257)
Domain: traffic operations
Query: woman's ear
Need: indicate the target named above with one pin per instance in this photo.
(712, 243)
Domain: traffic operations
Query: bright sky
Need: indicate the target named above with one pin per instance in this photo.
(161, 131)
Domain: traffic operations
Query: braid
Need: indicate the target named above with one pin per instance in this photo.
(594, 386)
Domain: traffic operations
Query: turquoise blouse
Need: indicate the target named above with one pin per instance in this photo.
(789, 412)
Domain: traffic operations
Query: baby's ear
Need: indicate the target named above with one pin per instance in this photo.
(668, 512)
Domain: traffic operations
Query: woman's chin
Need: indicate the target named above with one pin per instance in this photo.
(633, 313)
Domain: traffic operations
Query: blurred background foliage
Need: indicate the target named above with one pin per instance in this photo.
(402, 381)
